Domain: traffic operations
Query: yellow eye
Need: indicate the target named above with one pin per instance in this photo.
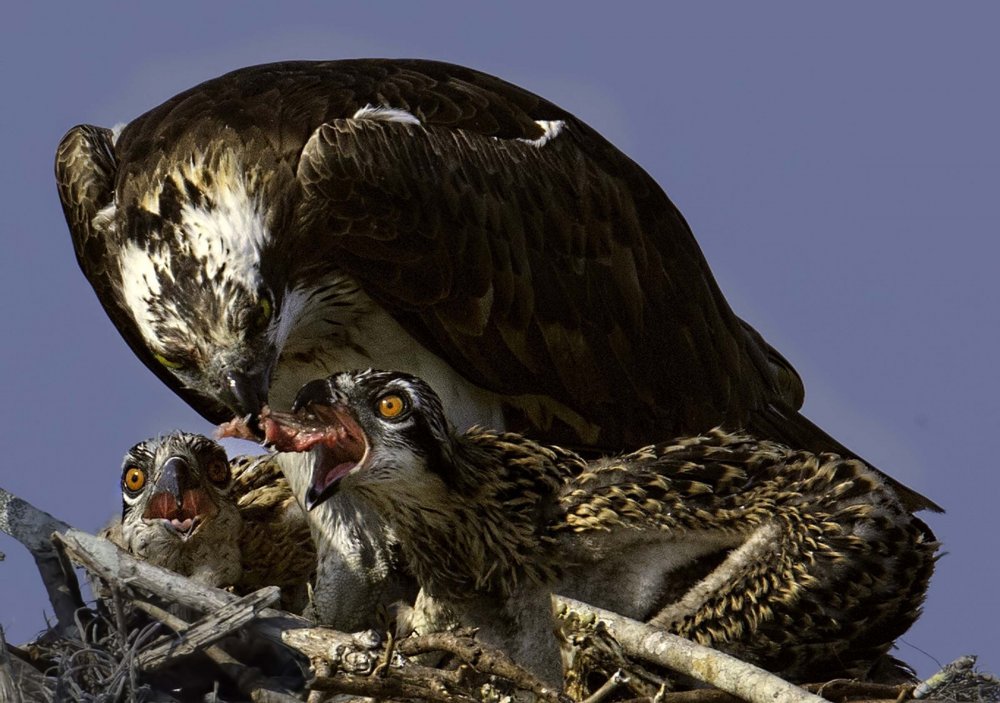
(168, 363)
(134, 479)
(264, 310)
(391, 406)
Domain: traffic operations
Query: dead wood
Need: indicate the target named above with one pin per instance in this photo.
(209, 629)
(33, 528)
(112, 565)
(114, 654)
(9, 691)
(248, 680)
(729, 674)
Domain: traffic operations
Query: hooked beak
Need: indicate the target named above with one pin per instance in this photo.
(328, 429)
(246, 395)
(173, 478)
(177, 500)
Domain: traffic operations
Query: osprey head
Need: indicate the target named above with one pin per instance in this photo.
(172, 486)
(193, 236)
(380, 430)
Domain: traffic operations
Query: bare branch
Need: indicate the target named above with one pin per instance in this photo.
(247, 679)
(727, 673)
(210, 629)
(484, 659)
(9, 691)
(114, 566)
(34, 528)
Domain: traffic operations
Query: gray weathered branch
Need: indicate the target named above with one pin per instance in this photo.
(9, 691)
(110, 563)
(727, 673)
(33, 528)
(210, 629)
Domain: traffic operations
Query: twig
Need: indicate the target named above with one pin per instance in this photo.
(350, 665)
(607, 688)
(209, 629)
(119, 612)
(345, 663)
(486, 660)
(947, 674)
(266, 695)
(847, 689)
(247, 679)
(698, 695)
(685, 657)
(34, 528)
(418, 682)
(112, 565)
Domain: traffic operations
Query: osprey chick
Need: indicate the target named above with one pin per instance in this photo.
(187, 508)
(805, 564)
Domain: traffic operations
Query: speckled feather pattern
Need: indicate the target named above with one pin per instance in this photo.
(842, 572)
(838, 572)
(258, 537)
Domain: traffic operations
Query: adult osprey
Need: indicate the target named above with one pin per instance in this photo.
(289, 220)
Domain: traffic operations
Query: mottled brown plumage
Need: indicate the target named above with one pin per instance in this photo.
(807, 564)
(502, 234)
(232, 524)
(286, 221)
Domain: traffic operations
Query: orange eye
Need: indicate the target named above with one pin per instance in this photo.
(134, 479)
(218, 470)
(390, 406)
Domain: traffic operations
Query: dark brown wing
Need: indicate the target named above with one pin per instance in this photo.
(558, 269)
(86, 169)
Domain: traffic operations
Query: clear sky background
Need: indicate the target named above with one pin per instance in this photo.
(839, 164)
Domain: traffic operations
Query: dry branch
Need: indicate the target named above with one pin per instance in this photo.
(355, 664)
(33, 528)
(9, 691)
(483, 659)
(247, 679)
(351, 662)
(114, 566)
(209, 629)
(727, 673)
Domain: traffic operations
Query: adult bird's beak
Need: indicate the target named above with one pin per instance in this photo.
(246, 395)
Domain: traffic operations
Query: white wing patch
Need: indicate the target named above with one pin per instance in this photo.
(141, 282)
(551, 130)
(385, 114)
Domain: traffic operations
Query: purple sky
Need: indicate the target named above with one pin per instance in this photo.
(840, 169)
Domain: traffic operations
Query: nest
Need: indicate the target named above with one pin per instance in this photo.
(153, 635)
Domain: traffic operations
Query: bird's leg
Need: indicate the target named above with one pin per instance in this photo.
(757, 549)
